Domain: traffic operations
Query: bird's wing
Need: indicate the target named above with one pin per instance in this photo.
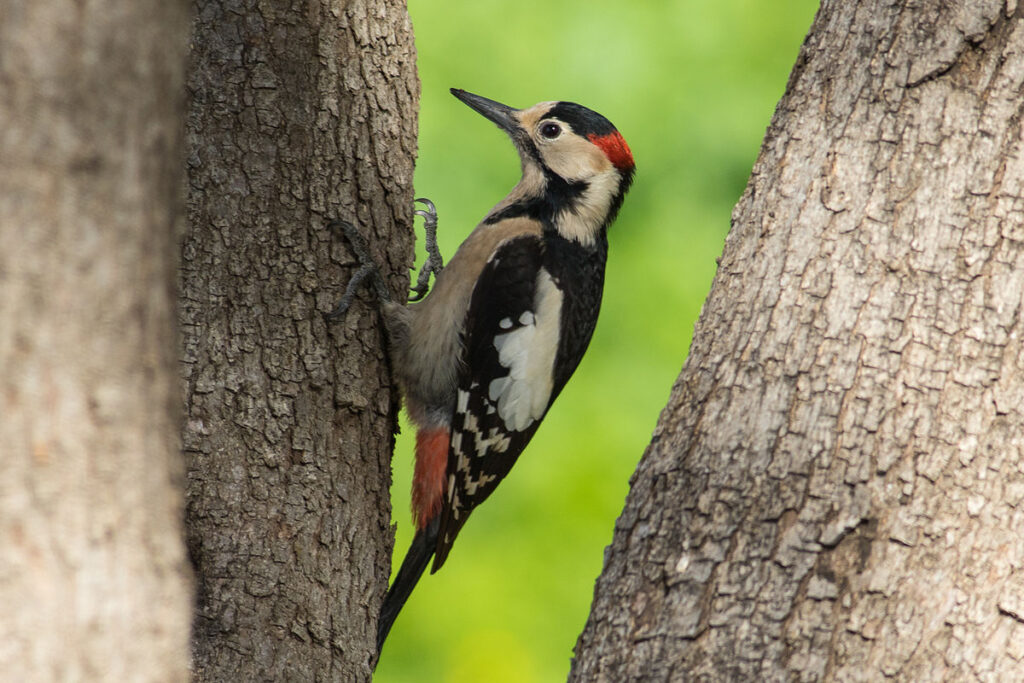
(511, 340)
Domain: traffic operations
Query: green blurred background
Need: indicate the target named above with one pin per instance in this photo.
(691, 85)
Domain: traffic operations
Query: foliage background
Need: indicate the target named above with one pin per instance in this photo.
(691, 85)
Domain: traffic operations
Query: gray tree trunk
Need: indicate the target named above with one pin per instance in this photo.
(298, 114)
(835, 490)
(94, 584)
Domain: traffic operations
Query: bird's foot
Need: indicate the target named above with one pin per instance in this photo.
(368, 269)
(434, 263)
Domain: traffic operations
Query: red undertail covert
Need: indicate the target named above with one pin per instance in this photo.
(428, 480)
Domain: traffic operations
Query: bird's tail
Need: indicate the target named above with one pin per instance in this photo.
(416, 560)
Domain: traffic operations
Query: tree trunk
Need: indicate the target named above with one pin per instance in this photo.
(834, 491)
(297, 115)
(93, 581)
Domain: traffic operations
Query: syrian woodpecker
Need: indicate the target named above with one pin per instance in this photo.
(483, 356)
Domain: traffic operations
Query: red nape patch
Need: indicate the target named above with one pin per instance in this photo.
(428, 481)
(615, 148)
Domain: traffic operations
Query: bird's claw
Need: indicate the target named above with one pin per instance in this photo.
(434, 263)
(367, 269)
(429, 213)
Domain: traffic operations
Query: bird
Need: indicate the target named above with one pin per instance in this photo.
(480, 358)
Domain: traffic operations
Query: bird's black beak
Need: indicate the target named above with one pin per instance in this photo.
(501, 114)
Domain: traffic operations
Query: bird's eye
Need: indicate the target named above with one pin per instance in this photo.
(551, 130)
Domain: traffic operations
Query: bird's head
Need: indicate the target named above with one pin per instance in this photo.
(576, 166)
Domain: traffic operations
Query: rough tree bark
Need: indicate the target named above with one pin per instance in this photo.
(94, 583)
(835, 490)
(298, 114)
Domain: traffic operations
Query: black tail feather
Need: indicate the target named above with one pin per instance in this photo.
(416, 560)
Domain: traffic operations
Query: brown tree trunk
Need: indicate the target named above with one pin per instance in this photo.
(835, 491)
(93, 579)
(298, 114)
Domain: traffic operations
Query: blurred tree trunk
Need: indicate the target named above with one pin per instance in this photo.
(298, 114)
(94, 584)
(835, 490)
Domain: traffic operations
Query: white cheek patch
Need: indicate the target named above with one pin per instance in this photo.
(529, 354)
(582, 220)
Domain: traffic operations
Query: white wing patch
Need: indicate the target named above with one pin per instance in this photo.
(529, 354)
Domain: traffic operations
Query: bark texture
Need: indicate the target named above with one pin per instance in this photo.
(298, 114)
(93, 579)
(836, 489)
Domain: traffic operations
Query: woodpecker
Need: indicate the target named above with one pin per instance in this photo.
(482, 357)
